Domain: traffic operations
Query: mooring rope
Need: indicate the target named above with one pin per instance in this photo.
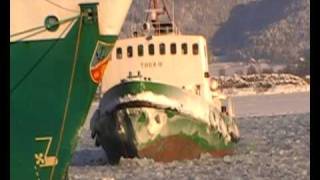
(38, 61)
(43, 26)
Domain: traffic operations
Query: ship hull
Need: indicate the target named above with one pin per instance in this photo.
(162, 122)
(50, 93)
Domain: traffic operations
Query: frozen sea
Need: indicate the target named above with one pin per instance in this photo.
(274, 144)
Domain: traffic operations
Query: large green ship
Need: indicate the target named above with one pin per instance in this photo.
(58, 52)
(159, 100)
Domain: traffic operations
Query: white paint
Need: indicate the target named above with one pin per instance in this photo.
(185, 72)
(28, 14)
(177, 70)
(112, 14)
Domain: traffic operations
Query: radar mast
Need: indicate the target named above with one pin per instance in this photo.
(158, 19)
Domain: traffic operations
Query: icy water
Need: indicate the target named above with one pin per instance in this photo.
(272, 146)
(277, 104)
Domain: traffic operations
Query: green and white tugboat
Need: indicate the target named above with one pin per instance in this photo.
(158, 99)
(58, 50)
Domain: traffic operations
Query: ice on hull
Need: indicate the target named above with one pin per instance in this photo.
(155, 126)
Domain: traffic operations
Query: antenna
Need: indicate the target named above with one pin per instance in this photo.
(173, 12)
(159, 25)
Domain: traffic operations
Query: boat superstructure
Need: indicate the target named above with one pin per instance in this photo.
(158, 98)
(58, 50)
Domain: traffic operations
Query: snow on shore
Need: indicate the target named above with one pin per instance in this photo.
(266, 84)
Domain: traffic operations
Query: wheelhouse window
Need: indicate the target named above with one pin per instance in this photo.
(129, 51)
(206, 74)
(162, 48)
(140, 50)
(184, 48)
(173, 48)
(119, 53)
(151, 49)
(195, 49)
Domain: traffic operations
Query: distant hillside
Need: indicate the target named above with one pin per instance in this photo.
(278, 30)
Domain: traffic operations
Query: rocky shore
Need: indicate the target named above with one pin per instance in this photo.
(273, 147)
(242, 85)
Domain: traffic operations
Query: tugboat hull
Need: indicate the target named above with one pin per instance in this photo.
(162, 122)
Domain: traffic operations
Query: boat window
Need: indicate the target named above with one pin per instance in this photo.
(184, 48)
(140, 50)
(198, 88)
(129, 51)
(119, 53)
(151, 49)
(162, 48)
(195, 49)
(206, 74)
(173, 48)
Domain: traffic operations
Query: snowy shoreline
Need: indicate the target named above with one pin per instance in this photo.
(280, 89)
(262, 84)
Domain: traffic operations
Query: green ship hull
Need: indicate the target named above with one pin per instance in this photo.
(50, 93)
(146, 119)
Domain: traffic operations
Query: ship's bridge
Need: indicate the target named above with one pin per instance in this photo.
(178, 60)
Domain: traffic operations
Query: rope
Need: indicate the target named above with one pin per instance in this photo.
(26, 31)
(39, 27)
(30, 35)
(66, 108)
(38, 61)
(61, 7)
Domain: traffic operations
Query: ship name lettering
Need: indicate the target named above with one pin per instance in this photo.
(151, 64)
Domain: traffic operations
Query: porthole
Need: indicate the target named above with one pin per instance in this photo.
(51, 23)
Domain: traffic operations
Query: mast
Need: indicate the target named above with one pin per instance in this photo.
(156, 20)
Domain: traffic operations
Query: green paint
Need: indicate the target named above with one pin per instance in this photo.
(200, 141)
(170, 113)
(180, 124)
(143, 118)
(136, 87)
(177, 123)
(40, 75)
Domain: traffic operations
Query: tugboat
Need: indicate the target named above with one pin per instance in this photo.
(58, 50)
(158, 100)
